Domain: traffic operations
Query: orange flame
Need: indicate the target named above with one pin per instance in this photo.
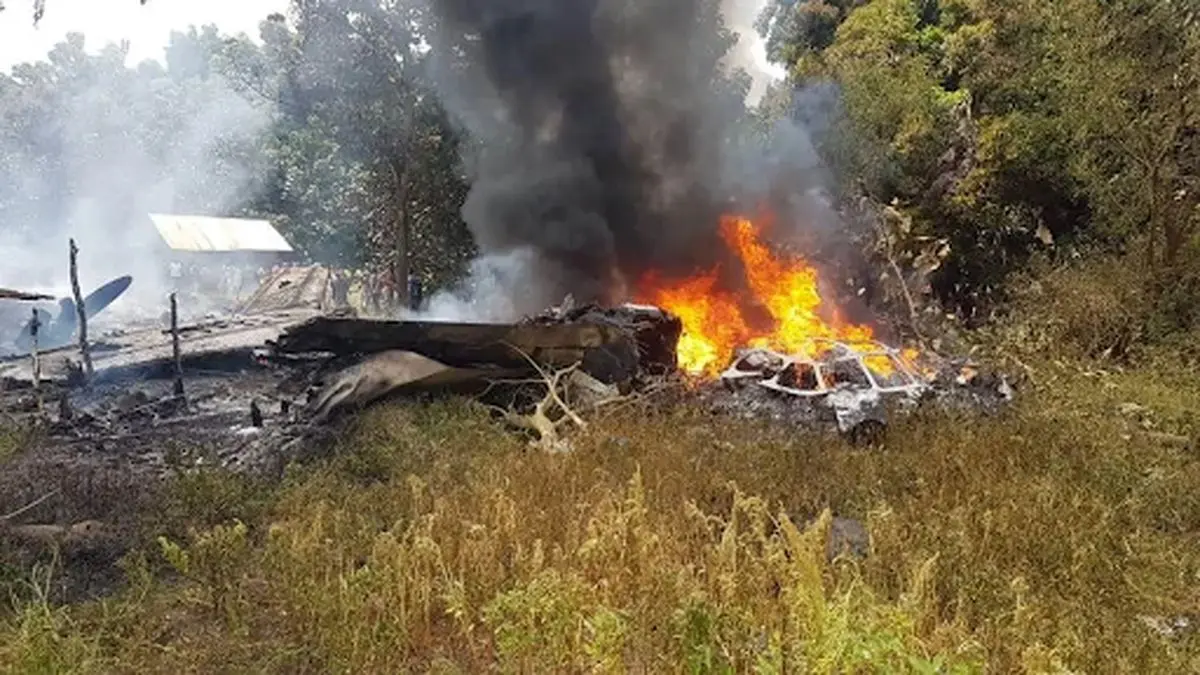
(714, 324)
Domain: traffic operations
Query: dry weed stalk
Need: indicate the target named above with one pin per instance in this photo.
(28, 507)
(549, 414)
(553, 411)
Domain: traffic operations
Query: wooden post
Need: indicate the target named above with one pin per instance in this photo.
(176, 351)
(34, 325)
(65, 412)
(88, 370)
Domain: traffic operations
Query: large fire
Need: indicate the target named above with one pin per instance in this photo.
(714, 320)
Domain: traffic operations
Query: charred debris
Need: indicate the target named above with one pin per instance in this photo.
(263, 386)
(272, 384)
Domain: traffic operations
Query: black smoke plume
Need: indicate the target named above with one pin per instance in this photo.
(599, 130)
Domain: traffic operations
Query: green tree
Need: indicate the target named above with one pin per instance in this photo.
(952, 112)
(359, 71)
(1132, 99)
(798, 31)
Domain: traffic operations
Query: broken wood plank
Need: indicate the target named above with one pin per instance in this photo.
(86, 537)
(655, 330)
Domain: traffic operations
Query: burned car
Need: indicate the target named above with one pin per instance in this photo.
(829, 380)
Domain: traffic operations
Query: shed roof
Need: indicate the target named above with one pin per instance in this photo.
(203, 233)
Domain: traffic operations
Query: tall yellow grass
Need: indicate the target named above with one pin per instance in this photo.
(1035, 541)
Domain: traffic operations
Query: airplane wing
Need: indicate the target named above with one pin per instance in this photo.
(104, 296)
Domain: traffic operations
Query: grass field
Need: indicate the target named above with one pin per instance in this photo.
(1051, 538)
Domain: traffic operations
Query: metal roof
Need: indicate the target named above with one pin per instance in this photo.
(202, 233)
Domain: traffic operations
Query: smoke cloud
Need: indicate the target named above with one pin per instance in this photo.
(597, 129)
(750, 52)
(91, 147)
(608, 138)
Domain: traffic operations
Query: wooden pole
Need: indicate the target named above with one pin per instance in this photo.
(37, 363)
(88, 370)
(176, 351)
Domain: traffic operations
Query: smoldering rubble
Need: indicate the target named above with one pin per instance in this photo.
(260, 388)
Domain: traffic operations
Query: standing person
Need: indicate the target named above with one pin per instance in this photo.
(340, 285)
(387, 291)
(370, 292)
(414, 292)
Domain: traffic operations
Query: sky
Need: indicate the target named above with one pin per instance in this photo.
(146, 27)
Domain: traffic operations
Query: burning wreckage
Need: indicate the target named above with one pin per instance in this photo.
(851, 387)
(251, 390)
(263, 385)
(314, 366)
(257, 389)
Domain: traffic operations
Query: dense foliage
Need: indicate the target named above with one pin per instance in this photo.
(1019, 131)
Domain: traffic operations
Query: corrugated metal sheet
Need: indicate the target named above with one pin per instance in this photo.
(201, 233)
(291, 288)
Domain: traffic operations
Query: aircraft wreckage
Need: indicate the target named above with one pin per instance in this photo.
(255, 390)
(55, 331)
(261, 383)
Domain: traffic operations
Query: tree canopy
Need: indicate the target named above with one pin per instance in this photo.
(1014, 130)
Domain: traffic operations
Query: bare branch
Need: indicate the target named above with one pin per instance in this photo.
(30, 506)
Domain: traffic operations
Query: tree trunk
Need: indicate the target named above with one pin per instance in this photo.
(402, 232)
(1173, 239)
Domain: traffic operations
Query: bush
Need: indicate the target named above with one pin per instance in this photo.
(1106, 307)
(1097, 309)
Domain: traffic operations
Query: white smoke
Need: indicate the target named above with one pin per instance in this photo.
(115, 146)
(750, 52)
(487, 294)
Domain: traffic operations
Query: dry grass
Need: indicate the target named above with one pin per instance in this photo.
(13, 440)
(435, 542)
